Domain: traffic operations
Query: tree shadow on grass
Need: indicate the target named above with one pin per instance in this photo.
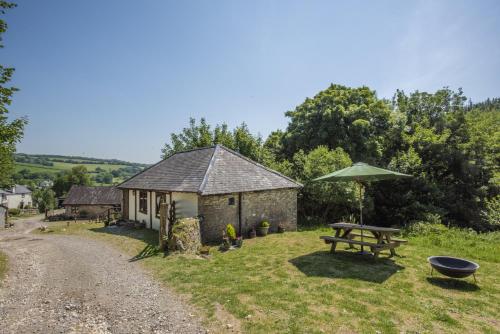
(150, 237)
(346, 265)
(453, 284)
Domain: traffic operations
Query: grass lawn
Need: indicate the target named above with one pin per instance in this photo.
(289, 283)
(3, 266)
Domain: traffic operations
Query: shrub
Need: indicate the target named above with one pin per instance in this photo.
(492, 213)
(230, 232)
(14, 212)
(430, 225)
(264, 223)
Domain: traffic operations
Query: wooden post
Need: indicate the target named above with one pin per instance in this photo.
(163, 226)
(171, 219)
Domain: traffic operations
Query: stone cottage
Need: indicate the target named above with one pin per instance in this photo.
(92, 201)
(216, 184)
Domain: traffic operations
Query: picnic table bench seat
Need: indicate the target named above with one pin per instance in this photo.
(372, 245)
(402, 241)
(381, 236)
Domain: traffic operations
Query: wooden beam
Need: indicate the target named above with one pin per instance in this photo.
(135, 205)
(151, 210)
(239, 214)
(163, 225)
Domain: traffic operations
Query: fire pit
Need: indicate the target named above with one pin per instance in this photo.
(453, 266)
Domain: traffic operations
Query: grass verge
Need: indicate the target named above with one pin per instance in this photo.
(289, 283)
(3, 266)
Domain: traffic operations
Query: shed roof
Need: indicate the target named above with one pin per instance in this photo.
(209, 171)
(83, 195)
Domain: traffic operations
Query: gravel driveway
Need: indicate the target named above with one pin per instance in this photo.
(67, 284)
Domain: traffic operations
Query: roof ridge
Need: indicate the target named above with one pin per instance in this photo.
(259, 165)
(193, 149)
(209, 167)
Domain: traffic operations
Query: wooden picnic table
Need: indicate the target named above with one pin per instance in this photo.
(381, 236)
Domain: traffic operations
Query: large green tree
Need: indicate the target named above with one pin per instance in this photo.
(200, 135)
(451, 152)
(44, 199)
(78, 175)
(449, 147)
(323, 199)
(351, 118)
(11, 131)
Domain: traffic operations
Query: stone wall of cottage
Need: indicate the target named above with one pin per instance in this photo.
(217, 211)
(276, 206)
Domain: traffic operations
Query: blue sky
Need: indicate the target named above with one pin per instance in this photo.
(113, 79)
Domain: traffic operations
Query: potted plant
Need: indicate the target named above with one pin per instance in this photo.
(228, 238)
(281, 228)
(238, 242)
(263, 228)
(205, 250)
(230, 232)
(226, 244)
(252, 234)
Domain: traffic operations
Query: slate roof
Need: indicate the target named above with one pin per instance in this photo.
(18, 189)
(208, 171)
(83, 195)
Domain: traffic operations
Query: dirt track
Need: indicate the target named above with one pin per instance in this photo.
(67, 284)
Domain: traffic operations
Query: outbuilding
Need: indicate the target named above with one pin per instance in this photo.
(90, 202)
(216, 184)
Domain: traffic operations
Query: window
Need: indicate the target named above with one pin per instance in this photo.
(160, 197)
(230, 201)
(143, 202)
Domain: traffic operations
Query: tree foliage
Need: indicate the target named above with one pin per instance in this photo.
(11, 131)
(319, 199)
(78, 175)
(351, 118)
(201, 135)
(44, 199)
(451, 148)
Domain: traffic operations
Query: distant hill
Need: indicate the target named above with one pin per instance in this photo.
(33, 168)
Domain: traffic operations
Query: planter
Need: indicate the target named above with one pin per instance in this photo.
(238, 242)
(205, 250)
(262, 231)
(252, 234)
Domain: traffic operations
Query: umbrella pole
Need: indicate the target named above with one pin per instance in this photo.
(361, 212)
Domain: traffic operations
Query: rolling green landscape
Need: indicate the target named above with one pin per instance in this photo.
(32, 169)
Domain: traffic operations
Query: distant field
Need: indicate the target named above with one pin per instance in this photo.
(62, 166)
(41, 164)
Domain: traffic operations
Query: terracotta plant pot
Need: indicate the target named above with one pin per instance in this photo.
(262, 231)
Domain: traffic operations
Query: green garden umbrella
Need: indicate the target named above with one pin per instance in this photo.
(361, 173)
